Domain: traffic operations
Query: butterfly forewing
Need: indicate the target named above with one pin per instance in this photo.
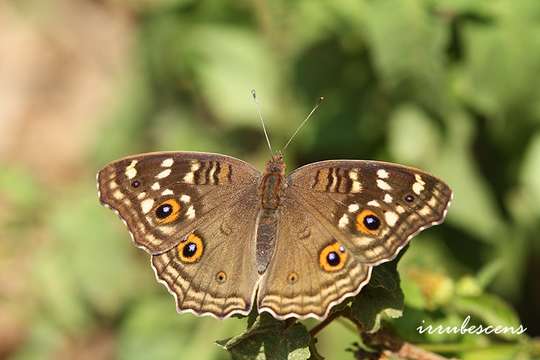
(162, 197)
(373, 208)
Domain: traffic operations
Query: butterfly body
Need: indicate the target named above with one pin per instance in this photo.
(224, 237)
(271, 190)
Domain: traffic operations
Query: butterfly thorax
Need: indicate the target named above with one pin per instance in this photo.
(272, 183)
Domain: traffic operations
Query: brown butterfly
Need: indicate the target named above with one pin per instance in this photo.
(224, 236)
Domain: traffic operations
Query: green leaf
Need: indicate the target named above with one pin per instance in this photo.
(270, 339)
(497, 352)
(530, 174)
(101, 262)
(382, 296)
(414, 64)
(153, 320)
(21, 197)
(494, 80)
(474, 207)
(234, 62)
(408, 125)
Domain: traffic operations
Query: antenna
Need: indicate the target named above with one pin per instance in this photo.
(319, 102)
(257, 105)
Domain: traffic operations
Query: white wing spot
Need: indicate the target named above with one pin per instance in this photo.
(363, 241)
(167, 230)
(418, 188)
(147, 205)
(374, 252)
(426, 210)
(353, 208)
(374, 203)
(167, 192)
(113, 185)
(195, 165)
(356, 187)
(212, 172)
(391, 218)
(155, 186)
(141, 195)
(383, 174)
(163, 174)
(188, 179)
(190, 212)
(383, 185)
(118, 195)
(344, 221)
(131, 172)
(167, 162)
(388, 198)
(185, 198)
(353, 174)
(400, 209)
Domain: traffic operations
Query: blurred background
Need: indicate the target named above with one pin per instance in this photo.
(448, 86)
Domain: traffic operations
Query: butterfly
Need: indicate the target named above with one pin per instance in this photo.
(224, 237)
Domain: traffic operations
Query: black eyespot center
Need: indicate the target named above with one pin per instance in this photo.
(164, 210)
(371, 222)
(189, 250)
(409, 198)
(136, 183)
(221, 277)
(292, 278)
(333, 258)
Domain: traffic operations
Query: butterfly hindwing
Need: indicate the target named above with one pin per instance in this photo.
(310, 270)
(212, 270)
(164, 196)
(373, 208)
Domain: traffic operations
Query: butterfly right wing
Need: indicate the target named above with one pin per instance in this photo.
(373, 208)
(310, 271)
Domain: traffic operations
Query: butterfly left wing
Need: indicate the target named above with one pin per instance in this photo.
(213, 270)
(373, 208)
(166, 195)
(195, 213)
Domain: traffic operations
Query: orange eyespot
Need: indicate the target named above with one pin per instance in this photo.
(333, 257)
(292, 277)
(167, 212)
(191, 249)
(367, 222)
(221, 277)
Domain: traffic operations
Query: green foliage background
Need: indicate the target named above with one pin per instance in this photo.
(448, 86)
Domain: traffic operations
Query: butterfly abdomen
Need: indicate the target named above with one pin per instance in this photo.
(266, 238)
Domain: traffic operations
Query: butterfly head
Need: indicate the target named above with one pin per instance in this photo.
(276, 165)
